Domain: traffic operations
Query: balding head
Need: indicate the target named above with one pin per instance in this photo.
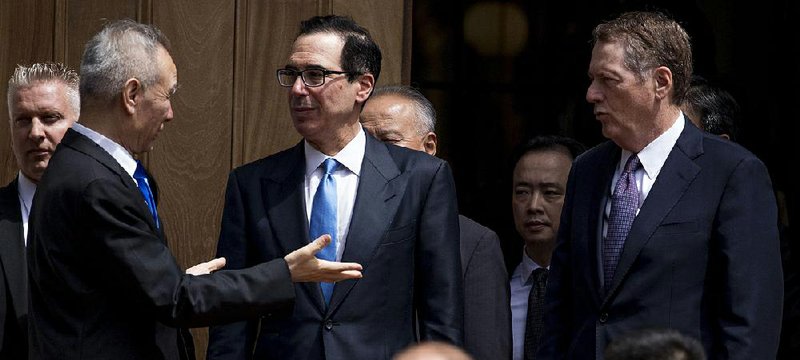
(432, 350)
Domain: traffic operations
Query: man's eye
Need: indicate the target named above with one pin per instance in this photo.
(314, 75)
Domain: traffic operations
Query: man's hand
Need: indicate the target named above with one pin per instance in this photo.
(206, 267)
(305, 267)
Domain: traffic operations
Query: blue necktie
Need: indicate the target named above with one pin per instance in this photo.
(323, 218)
(624, 203)
(144, 187)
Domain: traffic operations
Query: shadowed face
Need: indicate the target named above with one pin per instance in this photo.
(393, 119)
(539, 185)
(39, 116)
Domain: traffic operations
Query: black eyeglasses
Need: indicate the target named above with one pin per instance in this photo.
(311, 77)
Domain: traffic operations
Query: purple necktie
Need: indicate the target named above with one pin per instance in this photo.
(624, 203)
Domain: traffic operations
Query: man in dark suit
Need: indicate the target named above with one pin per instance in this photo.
(687, 239)
(391, 209)
(402, 116)
(43, 103)
(103, 284)
(538, 181)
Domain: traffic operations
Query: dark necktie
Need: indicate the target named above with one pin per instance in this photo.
(323, 218)
(624, 203)
(533, 323)
(144, 187)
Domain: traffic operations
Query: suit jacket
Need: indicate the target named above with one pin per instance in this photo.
(404, 232)
(13, 277)
(104, 285)
(487, 316)
(702, 256)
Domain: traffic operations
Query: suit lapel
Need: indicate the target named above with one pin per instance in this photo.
(377, 199)
(676, 175)
(12, 248)
(284, 199)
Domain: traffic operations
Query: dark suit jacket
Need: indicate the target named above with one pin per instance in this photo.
(404, 232)
(104, 285)
(13, 277)
(487, 315)
(702, 256)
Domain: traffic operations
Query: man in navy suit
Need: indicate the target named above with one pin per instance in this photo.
(402, 116)
(396, 214)
(682, 236)
(43, 102)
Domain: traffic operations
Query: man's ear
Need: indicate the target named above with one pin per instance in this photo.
(663, 80)
(366, 84)
(132, 93)
(429, 143)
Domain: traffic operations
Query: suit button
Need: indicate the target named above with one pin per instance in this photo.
(328, 325)
(603, 317)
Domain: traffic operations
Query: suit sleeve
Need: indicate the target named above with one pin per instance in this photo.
(556, 335)
(746, 266)
(487, 323)
(438, 277)
(139, 263)
(235, 340)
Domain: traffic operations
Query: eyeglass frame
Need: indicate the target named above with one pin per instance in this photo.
(301, 74)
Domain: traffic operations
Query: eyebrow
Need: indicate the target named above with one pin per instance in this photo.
(309, 66)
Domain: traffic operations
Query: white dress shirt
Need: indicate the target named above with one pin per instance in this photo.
(123, 157)
(346, 176)
(652, 158)
(25, 190)
(520, 284)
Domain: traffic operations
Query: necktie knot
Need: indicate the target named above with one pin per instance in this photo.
(632, 164)
(139, 174)
(329, 166)
(539, 276)
(144, 188)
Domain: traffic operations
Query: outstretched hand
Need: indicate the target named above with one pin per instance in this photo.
(206, 267)
(305, 267)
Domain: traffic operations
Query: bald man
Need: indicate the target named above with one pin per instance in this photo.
(402, 116)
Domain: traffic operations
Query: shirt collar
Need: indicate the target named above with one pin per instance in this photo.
(351, 156)
(528, 266)
(655, 154)
(123, 157)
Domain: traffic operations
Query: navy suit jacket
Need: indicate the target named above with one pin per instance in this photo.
(487, 315)
(13, 277)
(404, 232)
(104, 285)
(702, 256)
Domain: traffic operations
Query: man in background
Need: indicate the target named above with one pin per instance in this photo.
(711, 108)
(539, 181)
(43, 102)
(655, 344)
(402, 116)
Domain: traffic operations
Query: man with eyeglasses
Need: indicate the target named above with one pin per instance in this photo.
(391, 209)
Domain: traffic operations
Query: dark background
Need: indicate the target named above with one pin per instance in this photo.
(499, 72)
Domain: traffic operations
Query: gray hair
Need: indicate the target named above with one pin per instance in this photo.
(426, 114)
(28, 76)
(123, 49)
